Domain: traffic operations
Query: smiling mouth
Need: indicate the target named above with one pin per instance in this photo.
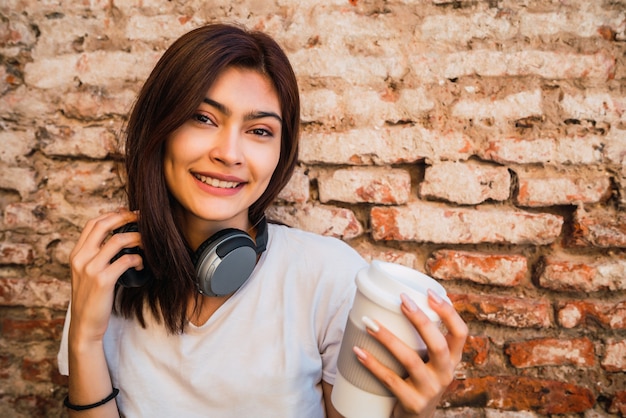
(216, 183)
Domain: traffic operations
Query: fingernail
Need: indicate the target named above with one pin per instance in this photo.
(369, 323)
(408, 302)
(434, 296)
(359, 353)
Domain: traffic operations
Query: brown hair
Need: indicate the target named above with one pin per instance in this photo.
(170, 97)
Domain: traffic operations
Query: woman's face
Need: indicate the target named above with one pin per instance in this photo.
(220, 161)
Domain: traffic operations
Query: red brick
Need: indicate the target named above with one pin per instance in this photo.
(430, 222)
(519, 393)
(583, 313)
(551, 352)
(614, 359)
(618, 404)
(492, 269)
(5, 366)
(502, 310)
(589, 275)
(32, 329)
(476, 350)
(599, 228)
(38, 370)
(30, 405)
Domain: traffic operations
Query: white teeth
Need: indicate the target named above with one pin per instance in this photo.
(216, 183)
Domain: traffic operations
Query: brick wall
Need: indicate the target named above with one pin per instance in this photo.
(483, 142)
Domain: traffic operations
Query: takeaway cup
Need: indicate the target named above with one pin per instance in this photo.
(357, 393)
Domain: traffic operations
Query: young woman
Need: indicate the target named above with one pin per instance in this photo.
(212, 139)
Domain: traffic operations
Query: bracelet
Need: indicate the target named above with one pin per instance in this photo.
(73, 407)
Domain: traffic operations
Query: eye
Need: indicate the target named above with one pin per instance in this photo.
(261, 132)
(202, 118)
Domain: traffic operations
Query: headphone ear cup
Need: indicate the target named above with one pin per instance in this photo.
(224, 262)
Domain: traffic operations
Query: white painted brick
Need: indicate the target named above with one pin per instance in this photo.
(584, 274)
(615, 149)
(99, 104)
(15, 253)
(61, 251)
(59, 35)
(391, 255)
(430, 222)
(362, 107)
(28, 103)
(544, 188)
(384, 146)
(93, 142)
(93, 68)
(615, 356)
(17, 31)
(461, 29)
(21, 179)
(40, 292)
(320, 104)
(546, 64)
(465, 183)
(16, 145)
(321, 219)
(297, 190)
(371, 185)
(511, 107)
(595, 106)
(27, 216)
(583, 24)
(357, 69)
(561, 150)
(151, 28)
(84, 178)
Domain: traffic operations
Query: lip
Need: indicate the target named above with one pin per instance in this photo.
(215, 190)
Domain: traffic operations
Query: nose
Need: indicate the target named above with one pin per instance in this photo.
(228, 146)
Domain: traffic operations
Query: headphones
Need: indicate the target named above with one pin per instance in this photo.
(223, 262)
(226, 260)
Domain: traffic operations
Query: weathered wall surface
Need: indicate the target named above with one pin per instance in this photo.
(483, 142)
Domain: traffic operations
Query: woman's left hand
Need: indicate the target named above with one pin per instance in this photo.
(420, 393)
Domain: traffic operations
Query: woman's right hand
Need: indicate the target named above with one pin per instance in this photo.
(94, 276)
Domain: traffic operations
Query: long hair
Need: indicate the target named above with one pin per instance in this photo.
(169, 98)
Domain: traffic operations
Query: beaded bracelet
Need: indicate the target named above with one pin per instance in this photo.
(73, 407)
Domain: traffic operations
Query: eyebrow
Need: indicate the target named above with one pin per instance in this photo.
(259, 114)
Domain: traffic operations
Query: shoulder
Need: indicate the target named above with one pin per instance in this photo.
(306, 244)
(319, 259)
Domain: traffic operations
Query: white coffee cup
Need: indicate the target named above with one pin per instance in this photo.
(357, 393)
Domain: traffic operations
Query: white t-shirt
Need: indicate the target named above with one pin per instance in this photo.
(263, 353)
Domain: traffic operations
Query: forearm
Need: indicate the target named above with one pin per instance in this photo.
(89, 380)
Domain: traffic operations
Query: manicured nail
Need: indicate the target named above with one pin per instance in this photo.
(369, 323)
(434, 296)
(408, 302)
(359, 353)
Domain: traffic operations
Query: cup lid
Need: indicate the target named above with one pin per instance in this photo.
(383, 282)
